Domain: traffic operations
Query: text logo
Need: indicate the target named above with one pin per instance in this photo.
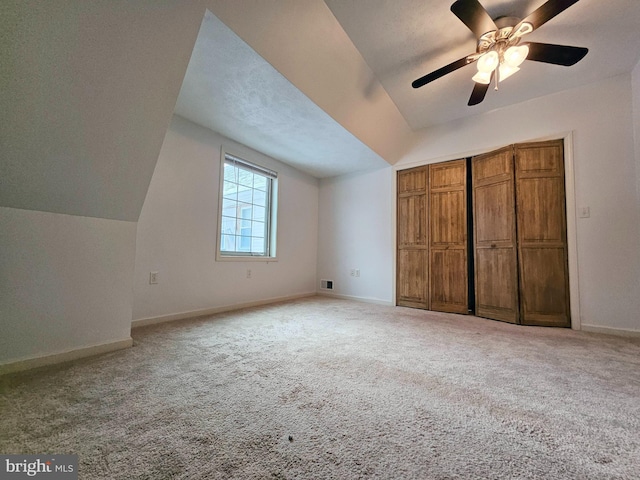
(50, 467)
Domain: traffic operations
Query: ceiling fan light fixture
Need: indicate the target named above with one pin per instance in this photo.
(515, 55)
(499, 53)
(522, 29)
(506, 71)
(488, 62)
(482, 77)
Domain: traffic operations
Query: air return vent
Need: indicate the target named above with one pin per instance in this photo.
(326, 284)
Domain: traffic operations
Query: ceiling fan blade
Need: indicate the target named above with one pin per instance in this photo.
(474, 16)
(430, 77)
(546, 12)
(556, 54)
(479, 92)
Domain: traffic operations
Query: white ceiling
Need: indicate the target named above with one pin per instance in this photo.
(231, 89)
(325, 87)
(403, 40)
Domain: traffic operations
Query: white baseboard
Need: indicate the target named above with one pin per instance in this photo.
(61, 357)
(623, 332)
(143, 322)
(377, 301)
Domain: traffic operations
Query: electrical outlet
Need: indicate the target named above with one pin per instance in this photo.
(357, 272)
(584, 212)
(153, 278)
(248, 273)
(353, 272)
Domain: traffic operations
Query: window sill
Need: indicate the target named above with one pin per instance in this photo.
(241, 258)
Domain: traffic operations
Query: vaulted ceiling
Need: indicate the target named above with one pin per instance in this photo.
(87, 89)
(372, 50)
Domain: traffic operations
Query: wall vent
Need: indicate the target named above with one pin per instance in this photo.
(326, 284)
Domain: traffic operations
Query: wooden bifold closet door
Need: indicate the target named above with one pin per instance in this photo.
(448, 286)
(519, 268)
(412, 266)
(432, 237)
(542, 234)
(496, 256)
(520, 237)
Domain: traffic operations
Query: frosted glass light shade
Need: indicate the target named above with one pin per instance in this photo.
(482, 77)
(514, 56)
(488, 62)
(506, 71)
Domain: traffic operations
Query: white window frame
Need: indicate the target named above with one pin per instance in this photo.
(242, 158)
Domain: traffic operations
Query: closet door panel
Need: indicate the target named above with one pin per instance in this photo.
(495, 298)
(494, 206)
(412, 221)
(412, 278)
(543, 259)
(542, 209)
(412, 180)
(448, 291)
(412, 264)
(495, 243)
(544, 286)
(448, 218)
(448, 269)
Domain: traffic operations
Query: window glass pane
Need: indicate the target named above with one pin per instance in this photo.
(245, 177)
(229, 207)
(260, 182)
(244, 210)
(257, 229)
(245, 194)
(243, 244)
(230, 189)
(259, 213)
(257, 245)
(230, 173)
(260, 198)
(228, 243)
(228, 225)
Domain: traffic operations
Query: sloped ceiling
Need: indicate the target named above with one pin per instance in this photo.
(87, 88)
(232, 90)
(302, 40)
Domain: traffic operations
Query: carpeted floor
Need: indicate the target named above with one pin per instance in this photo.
(322, 388)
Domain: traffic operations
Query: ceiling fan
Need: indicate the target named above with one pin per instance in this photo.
(500, 52)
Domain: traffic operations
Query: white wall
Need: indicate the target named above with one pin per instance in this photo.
(601, 119)
(177, 232)
(635, 85)
(65, 283)
(356, 232)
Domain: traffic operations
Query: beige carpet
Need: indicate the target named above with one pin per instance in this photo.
(332, 389)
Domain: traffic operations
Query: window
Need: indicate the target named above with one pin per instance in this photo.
(247, 221)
